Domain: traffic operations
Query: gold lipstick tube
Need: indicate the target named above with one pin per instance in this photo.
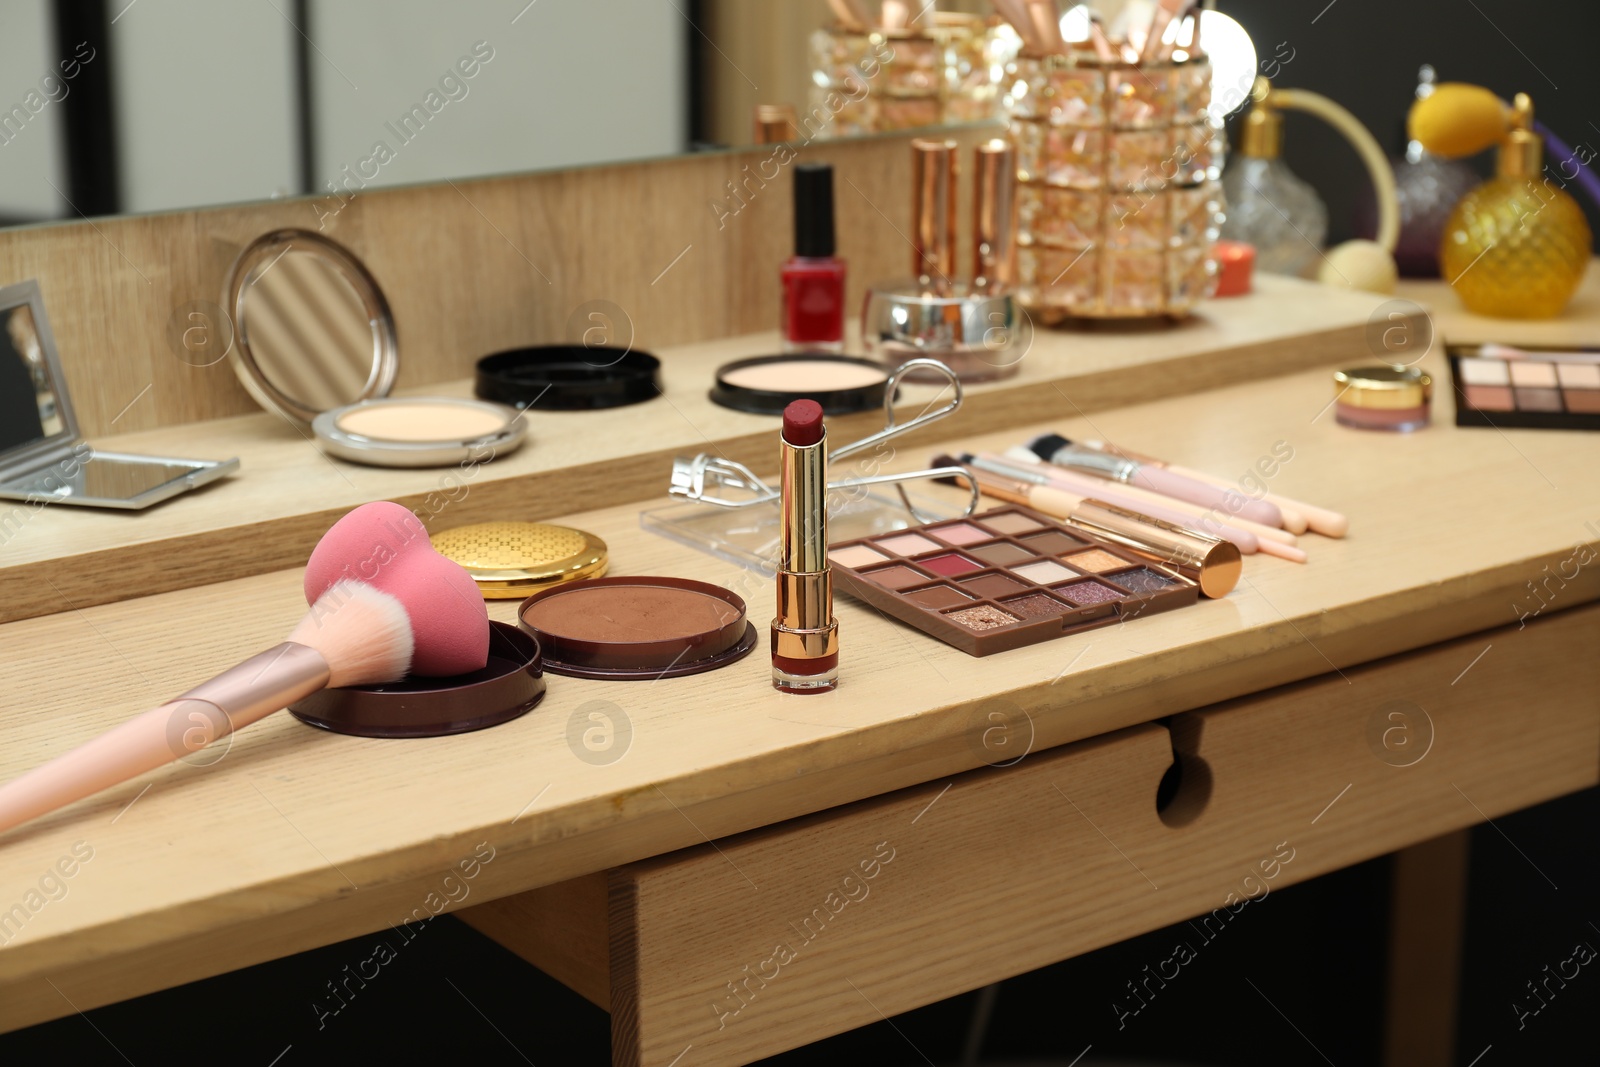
(805, 635)
(994, 217)
(933, 213)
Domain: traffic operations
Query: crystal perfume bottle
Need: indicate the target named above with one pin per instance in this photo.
(1428, 188)
(1516, 246)
(1268, 205)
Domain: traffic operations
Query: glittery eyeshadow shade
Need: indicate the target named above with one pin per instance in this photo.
(1142, 580)
(982, 617)
(1037, 606)
(1087, 592)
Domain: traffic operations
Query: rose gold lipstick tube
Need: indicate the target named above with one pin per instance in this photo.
(805, 635)
(994, 217)
(933, 213)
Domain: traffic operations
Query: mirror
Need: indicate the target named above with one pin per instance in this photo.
(312, 329)
(165, 105)
(29, 410)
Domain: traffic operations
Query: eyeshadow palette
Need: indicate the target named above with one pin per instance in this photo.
(1004, 579)
(1528, 388)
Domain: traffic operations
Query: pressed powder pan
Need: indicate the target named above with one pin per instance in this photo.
(766, 385)
(508, 686)
(644, 627)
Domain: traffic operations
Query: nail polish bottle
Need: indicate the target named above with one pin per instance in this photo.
(813, 278)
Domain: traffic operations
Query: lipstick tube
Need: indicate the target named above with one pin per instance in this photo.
(994, 217)
(805, 635)
(933, 214)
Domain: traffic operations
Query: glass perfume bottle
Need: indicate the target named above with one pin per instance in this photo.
(1428, 187)
(1516, 246)
(1268, 205)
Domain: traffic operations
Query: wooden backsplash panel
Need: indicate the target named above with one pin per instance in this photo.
(469, 267)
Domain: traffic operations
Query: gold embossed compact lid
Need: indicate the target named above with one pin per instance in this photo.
(514, 559)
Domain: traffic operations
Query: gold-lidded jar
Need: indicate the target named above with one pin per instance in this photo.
(512, 560)
(1383, 397)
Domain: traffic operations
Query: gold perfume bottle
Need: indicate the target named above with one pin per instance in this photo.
(1517, 245)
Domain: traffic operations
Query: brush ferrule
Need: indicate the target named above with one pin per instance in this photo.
(263, 684)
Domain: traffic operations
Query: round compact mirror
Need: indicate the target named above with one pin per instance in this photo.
(312, 329)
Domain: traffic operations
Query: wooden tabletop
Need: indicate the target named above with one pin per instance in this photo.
(297, 837)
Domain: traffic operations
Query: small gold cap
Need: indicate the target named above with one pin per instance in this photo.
(1261, 137)
(1522, 152)
(514, 559)
(1384, 387)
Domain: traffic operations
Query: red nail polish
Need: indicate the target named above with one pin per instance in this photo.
(813, 278)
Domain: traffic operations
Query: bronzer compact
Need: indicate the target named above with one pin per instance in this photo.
(1004, 579)
(315, 343)
(637, 627)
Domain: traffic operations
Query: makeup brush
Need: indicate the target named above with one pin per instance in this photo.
(1273, 540)
(1016, 13)
(1046, 22)
(1295, 512)
(1160, 19)
(1053, 448)
(851, 15)
(428, 612)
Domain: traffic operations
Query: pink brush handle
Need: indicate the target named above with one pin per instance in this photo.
(251, 691)
(1167, 483)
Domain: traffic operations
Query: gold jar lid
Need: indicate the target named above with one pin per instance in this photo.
(1384, 387)
(510, 560)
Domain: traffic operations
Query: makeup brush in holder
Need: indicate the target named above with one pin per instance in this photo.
(910, 67)
(383, 604)
(1118, 162)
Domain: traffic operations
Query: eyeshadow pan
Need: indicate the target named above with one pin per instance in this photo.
(1142, 580)
(1000, 554)
(1579, 375)
(1483, 371)
(1097, 561)
(982, 617)
(1011, 522)
(1088, 592)
(1583, 401)
(1489, 397)
(856, 556)
(993, 585)
(1533, 374)
(1051, 543)
(908, 544)
(939, 596)
(1037, 606)
(1531, 399)
(1044, 572)
(961, 533)
(950, 563)
(897, 577)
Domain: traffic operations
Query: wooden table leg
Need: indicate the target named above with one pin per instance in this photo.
(1427, 911)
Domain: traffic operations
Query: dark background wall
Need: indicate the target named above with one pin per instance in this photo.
(1365, 54)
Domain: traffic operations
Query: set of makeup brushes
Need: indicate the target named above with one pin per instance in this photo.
(1137, 30)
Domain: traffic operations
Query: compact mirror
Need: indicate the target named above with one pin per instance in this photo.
(313, 330)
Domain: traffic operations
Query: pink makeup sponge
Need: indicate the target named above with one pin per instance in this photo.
(385, 546)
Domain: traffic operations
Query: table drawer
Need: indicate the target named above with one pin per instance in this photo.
(772, 939)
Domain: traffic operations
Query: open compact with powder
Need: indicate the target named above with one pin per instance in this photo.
(1004, 579)
(316, 344)
(765, 385)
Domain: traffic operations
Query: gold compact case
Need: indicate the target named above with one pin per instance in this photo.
(512, 560)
